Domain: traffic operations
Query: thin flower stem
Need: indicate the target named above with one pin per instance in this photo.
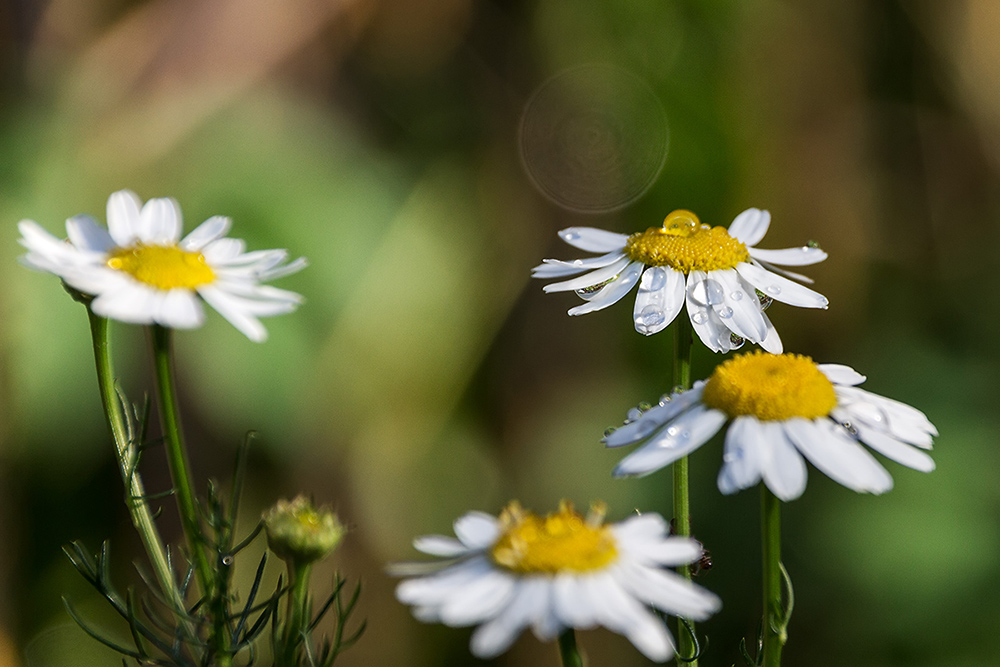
(775, 623)
(180, 468)
(180, 474)
(298, 614)
(568, 650)
(138, 508)
(682, 504)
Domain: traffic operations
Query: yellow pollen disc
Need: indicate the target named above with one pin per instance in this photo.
(163, 267)
(560, 542)
(770, 387)
(684, 244)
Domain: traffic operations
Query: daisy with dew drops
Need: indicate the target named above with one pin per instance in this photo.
(781, 408)
(556, 573)
(140, 270)
(717, 273)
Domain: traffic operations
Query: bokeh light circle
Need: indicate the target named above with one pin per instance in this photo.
(594, 138)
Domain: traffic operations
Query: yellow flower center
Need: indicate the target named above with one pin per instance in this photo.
(684, 244)
(562, 541)
(163, 267)
(770, 387)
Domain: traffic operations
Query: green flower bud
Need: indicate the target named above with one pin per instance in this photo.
(298, 532)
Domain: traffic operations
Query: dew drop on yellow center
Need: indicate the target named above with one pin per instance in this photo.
(163, 267)
(770, 387)
(560, 542)
(684, 244)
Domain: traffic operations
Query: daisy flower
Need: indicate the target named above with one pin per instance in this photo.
(723, 278)
(139, 270)
(781, 408)
(557, 572)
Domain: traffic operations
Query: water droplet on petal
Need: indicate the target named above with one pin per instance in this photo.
(571, 236)
(678, 389)
(714, 292)
(645, 405)
(657, 278)
(609, 430)
(700, 317)
(773, 289)
(736, 296)
(812, 244)
(666, 398)
(651, 316)
(735, 342)
(633, 414)
(726, 313)
(765, 300)
(673, 431)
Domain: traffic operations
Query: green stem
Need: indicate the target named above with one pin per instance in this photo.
(568, 650)
(180, 474)
(142, 517)
(297, 625)
(775, 623)
(682, 504)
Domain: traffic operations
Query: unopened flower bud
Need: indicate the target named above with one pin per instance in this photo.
(299, 532)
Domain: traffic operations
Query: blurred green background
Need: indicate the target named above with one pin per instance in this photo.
(427, 374)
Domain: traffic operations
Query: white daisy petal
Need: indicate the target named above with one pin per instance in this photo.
(771, 342)
(208, 231)
(440, 545)
(832, 450)
(160, 222)
(554, 268)
(179, 309)
(803, 256)
(740, 311)
(495, 636)
(645, 527)
(781, 289)
(612, 292)
(840, 374)
(684, 435)
(479, 600)
(670, 592)
(233, 311)
(619, 611)
(123, 217)
(876, 417)
(900, 452)
(670, 552)
(591, 279)
(131, 302)
(895, 410)
(477, 530)
(702, 295)
(750, 226)
(85, 234)
(743, 457)
(571, 603)
(438, 588)
(294, 266)
(783, 470)
(653, 418)
(223, 250)
(593, 240)
(660, 298)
